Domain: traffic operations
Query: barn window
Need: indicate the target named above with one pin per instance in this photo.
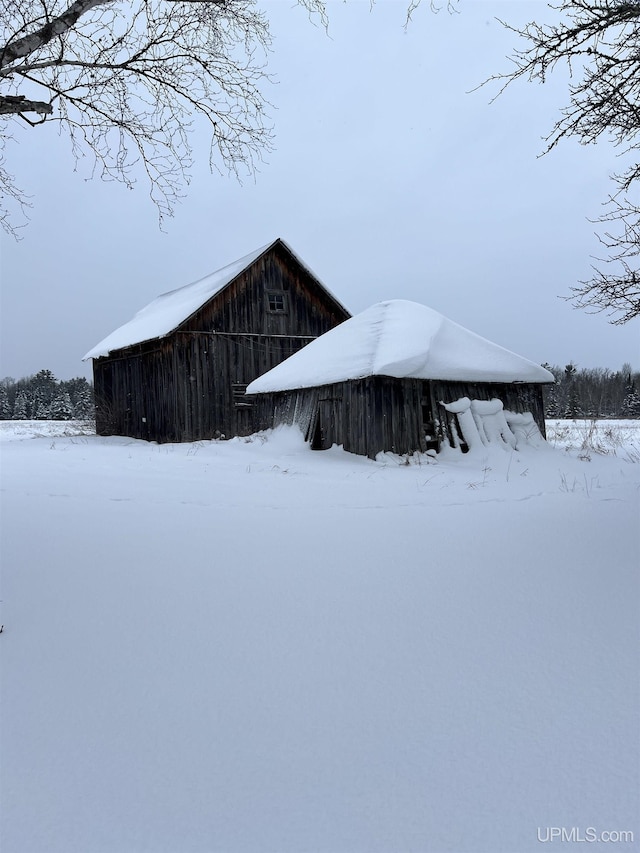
(277, 301)
(240, 400)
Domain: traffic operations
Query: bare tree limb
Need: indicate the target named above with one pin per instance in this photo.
(127, 78)
(599, 43)
(43, 35)
(18, 104)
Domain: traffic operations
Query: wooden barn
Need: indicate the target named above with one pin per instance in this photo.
(179, 369)
(400, 377)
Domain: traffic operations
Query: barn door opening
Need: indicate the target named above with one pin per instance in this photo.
(323, 433)
(243, 408)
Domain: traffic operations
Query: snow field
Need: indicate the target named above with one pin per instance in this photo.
(248, 646)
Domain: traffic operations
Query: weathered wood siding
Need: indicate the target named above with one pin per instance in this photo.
(190, 385)
(365, 416)
(379, 413)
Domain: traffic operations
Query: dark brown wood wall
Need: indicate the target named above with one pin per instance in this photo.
(190, 385)
(365, 416)
(378, 413)
(243, 305)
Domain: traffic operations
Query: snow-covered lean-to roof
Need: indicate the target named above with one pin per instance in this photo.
(168, 311)
(403, 340)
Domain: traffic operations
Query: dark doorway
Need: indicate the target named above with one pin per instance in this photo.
(323, 433)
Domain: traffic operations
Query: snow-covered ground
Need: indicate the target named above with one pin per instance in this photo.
(249, 646)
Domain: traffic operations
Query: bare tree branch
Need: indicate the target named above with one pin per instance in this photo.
(18, 104)
(57, 27)
(599, 42)
(127, 78)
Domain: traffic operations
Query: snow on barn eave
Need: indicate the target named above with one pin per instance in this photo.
(170, 310)
(402, 340)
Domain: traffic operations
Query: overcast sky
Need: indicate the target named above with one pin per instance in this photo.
(390, 179)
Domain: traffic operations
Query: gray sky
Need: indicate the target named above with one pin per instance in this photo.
(390, 178)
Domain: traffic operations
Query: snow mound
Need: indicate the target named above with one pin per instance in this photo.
(486, 422)
(401, 339)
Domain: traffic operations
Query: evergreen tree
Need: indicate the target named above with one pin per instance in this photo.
(573, 408)
(631, 404)
(570, 398)
(83, 407)
(5, 405)
(45, 387)
(550, 394)
(42, 411)
(61, 408)
(20, 406)
(551, 406)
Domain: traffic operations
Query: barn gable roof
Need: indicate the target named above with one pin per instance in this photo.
(400, 339)
(167, 312)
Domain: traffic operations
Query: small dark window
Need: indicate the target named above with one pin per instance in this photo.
(277, 301)
(240, 399)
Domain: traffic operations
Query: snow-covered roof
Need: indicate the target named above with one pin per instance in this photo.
(168, 311)
(400, 339)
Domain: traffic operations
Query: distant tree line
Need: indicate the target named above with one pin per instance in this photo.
(43, 397)
(592, 392)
